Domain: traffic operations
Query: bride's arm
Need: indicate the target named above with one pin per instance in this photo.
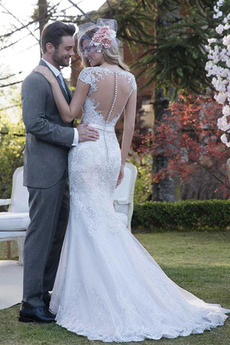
(67, 111)
(129, 125)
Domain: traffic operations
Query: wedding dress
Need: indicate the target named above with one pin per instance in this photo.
(108, 287)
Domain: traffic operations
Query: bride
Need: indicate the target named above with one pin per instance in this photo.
(107, 286)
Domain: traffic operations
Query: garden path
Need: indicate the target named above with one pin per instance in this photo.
(10, 283)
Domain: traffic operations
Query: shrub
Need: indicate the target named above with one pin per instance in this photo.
(182, 215)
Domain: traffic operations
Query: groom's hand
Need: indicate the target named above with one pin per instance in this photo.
(86, 133)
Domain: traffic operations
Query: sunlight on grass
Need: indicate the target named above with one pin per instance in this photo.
(197, 261)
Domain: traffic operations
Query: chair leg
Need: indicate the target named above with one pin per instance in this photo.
(20, 241)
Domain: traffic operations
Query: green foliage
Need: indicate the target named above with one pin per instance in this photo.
(12, 142)
(178, 58)
(182, 215)
(171, 34)
(143, 186)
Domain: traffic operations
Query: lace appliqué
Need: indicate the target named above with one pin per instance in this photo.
(91, 76)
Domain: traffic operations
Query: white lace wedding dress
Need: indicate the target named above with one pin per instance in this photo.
(108, 287)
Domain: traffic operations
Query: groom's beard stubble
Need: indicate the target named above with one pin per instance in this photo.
(60, 60)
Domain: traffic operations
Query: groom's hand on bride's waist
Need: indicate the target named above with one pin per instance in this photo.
(86, 133)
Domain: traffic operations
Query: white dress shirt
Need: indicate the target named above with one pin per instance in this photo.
(56, 72)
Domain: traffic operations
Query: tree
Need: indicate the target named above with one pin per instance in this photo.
(12, 140)
(12, 132)
(173, 34)
(18, 29)
(188, 135)
(42, 14)
(218, 66)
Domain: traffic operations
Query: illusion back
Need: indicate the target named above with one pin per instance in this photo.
(109, 92)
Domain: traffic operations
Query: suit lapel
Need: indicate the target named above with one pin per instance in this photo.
(68, 91)
(65, 93)
(68, 95)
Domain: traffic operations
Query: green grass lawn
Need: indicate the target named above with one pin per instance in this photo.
(197, 261)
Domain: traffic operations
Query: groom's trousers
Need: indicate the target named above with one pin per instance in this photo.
(49, 210)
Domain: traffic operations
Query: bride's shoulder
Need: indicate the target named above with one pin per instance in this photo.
(131, 79)
(86, 70)
(86, 75)
(126, 73)
(90, 71)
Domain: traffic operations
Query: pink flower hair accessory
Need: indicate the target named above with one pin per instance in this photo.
(103, 38)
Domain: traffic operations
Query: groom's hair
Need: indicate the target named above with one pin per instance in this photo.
(54, 32)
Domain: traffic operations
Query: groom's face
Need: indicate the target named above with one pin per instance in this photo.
(64, 52)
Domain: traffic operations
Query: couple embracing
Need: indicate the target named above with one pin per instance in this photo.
(104, 284)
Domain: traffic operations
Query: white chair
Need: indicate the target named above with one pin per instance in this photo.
(13, 224)
(123, 196)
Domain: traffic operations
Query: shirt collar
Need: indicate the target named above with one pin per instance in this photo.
(53, 69)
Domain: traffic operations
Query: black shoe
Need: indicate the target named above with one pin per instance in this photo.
(46, 299)
(29, 313)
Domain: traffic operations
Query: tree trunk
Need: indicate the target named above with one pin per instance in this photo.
(163, 190)
(42, 14)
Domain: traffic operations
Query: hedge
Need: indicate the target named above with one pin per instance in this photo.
(182, 215)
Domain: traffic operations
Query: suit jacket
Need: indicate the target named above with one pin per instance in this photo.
(48, 137)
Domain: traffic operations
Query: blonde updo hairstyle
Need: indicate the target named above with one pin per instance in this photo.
(111, 55)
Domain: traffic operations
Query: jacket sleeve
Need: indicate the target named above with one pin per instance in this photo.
(35, 90)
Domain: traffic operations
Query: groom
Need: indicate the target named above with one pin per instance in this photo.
(48, 141)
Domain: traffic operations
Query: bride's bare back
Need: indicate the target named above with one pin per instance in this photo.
(110, 89)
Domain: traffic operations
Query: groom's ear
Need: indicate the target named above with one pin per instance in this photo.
(50, 48)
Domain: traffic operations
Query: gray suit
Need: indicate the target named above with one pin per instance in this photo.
(48, 140)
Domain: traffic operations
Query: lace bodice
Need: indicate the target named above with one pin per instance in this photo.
(108, 94)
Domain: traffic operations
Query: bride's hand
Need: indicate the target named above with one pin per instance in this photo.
(120, 177)
(46, 73)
